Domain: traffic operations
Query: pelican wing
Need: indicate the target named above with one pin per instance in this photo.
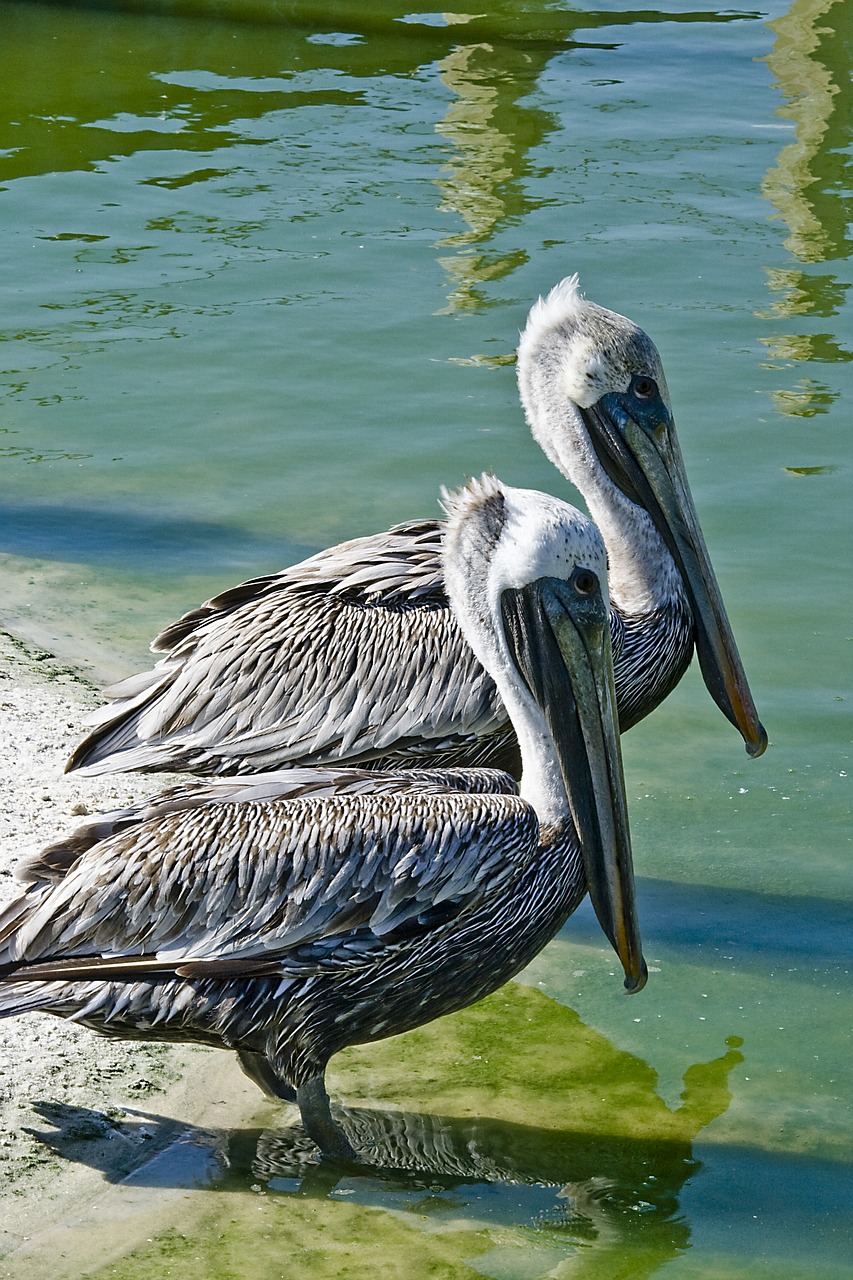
(56, 859)
(402, 564)
(289, 883)
(353, 654)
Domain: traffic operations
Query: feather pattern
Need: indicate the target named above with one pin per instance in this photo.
(247, 879)
(312, 669)
(55, 860)
(309, 668)
(202, 922)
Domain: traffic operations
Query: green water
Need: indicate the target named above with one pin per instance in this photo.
(263, 266)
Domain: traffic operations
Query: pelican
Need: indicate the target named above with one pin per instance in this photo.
(353, 656)
(287, 928)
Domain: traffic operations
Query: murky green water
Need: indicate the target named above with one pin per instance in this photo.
(263, 266)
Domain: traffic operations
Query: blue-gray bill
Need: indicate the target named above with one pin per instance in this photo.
(635, 442)
(560, 639)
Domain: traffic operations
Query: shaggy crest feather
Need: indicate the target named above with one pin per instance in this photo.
(475, 492)
(584, 351)
(563, 302)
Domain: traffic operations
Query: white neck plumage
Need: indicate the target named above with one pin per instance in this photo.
(541, 783)
(641, 572)
(510, 539)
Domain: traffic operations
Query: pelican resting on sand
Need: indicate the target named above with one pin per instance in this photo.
(287, 928)
(353, 656)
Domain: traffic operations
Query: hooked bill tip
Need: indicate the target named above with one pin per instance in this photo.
(633, 985)
(757, 748)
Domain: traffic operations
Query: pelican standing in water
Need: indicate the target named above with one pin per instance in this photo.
(354, 656)
(287, 929)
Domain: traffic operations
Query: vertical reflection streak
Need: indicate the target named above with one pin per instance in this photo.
(491, 136)
(809, 91)
(807, 186)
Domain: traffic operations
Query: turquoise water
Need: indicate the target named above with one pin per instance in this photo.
(263, 267)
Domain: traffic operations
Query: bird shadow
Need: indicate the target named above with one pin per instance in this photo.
(112, 537)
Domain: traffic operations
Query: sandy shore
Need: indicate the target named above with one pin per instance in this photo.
(69, 1100)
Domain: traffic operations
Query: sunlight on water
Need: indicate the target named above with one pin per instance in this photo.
(263, 267)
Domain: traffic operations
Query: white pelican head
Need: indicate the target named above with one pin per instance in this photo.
(526, 576)
(596, 400)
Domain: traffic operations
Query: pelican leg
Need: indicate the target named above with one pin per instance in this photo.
(317, 1120)
(258, 1068)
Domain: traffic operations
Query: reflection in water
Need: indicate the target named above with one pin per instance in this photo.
(803, 295)
(810, 186)
(810, 61)
(545, 1138)
(81, 87)
(595, 1190)
(171, 88)
(491, 134)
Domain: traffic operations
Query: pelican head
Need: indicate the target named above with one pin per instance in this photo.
(596, 400)
(526, 575)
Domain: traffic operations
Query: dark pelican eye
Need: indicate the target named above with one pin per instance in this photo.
(643, 388)
(585, 582)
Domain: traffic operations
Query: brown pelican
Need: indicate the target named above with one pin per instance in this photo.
(288, 928)
(354, 655)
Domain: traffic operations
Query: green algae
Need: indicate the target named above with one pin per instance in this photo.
(521, 1057)
(297, 1240)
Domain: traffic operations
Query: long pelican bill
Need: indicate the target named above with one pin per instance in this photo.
(641, 454)
(560, 639)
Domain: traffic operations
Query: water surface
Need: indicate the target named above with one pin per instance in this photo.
(263, 268)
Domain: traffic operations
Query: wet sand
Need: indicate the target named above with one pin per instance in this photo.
(75, 1108)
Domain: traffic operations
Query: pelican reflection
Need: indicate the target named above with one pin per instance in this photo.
(490, 1174)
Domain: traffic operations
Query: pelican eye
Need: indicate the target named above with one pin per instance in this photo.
(643, 388)
(584, 581)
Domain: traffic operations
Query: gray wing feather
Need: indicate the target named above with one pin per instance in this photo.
(256, 881)
(54, 861)
(353, 653)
